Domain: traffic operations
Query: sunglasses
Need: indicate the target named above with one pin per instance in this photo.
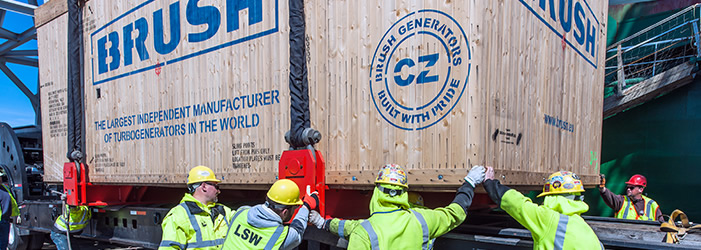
(215, 185)
(633, 187)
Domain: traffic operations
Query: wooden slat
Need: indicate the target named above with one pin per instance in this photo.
(48, 11)
(448, 179)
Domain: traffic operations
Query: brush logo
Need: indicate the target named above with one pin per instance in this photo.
(420, 69)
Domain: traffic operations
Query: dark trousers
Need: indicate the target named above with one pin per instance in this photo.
(4, 233)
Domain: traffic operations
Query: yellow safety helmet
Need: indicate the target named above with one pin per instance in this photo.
(201, 174)
(285, 192)
(392, 174)
(415, 199)
(562, 182)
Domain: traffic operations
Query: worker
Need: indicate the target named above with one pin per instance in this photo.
(198, 222)
(393, 224)
(634, 205)
(343, 228)
(9, 210)
(72, 220)
(265, 226)
(557, 223)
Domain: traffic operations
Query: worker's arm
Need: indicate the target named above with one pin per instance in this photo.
(340, 227)
(521, 208)
(495, 190)
(297, 227)
(612, 200)
(442, 220)
(174, 236)
(658, 214)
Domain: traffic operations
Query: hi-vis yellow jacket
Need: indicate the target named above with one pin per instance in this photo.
(193, 225)
(78, 219)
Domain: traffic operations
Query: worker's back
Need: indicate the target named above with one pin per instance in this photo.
(398, 229)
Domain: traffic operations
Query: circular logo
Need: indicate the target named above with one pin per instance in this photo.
(420, 69)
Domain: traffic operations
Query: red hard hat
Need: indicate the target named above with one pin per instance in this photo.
(637, 180)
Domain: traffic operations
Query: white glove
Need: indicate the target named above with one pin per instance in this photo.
(475, 176)
(316, 219)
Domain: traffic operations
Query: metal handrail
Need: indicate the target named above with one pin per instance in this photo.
(653, 26)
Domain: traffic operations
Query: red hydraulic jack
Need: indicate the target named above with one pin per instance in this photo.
(305, 167)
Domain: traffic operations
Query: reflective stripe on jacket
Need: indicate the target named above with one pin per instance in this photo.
(192, 225)
(343, 228)
(243, 235)
(628, 211)
(403, 228)
(79, 217)
(556, 224)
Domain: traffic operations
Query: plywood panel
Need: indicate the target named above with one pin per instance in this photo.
(157, 110)
(52, 42)
(530, 97)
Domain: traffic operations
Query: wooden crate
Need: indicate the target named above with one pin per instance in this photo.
(486, 82)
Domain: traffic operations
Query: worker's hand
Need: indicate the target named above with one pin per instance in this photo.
(316, 219)
(475, 176)
(602, 181)
(311, 199)
(489, 174)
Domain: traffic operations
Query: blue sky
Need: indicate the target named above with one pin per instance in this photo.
(15, 108)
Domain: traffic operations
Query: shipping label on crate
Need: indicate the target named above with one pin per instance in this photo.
(176, 84)
(405, 63)
(173, 31)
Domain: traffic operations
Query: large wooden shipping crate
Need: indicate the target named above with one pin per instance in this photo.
(435, 86)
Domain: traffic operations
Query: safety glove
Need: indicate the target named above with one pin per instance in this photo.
(311, 199)
(602, 181)
(475, 176)
(316, 219)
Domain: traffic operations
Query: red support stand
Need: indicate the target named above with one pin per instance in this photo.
(80, 192)
(306, 168)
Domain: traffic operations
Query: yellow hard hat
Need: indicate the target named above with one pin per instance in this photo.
(415, 199)
(285, 192)
(392, 174)
(201, 174)
(562, 182)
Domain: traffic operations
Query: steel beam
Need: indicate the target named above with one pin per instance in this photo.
(26, 36)
(2, 16)
(32, 97)
(19, 7)
(28, 52)
(9, 35)
(27, 61)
